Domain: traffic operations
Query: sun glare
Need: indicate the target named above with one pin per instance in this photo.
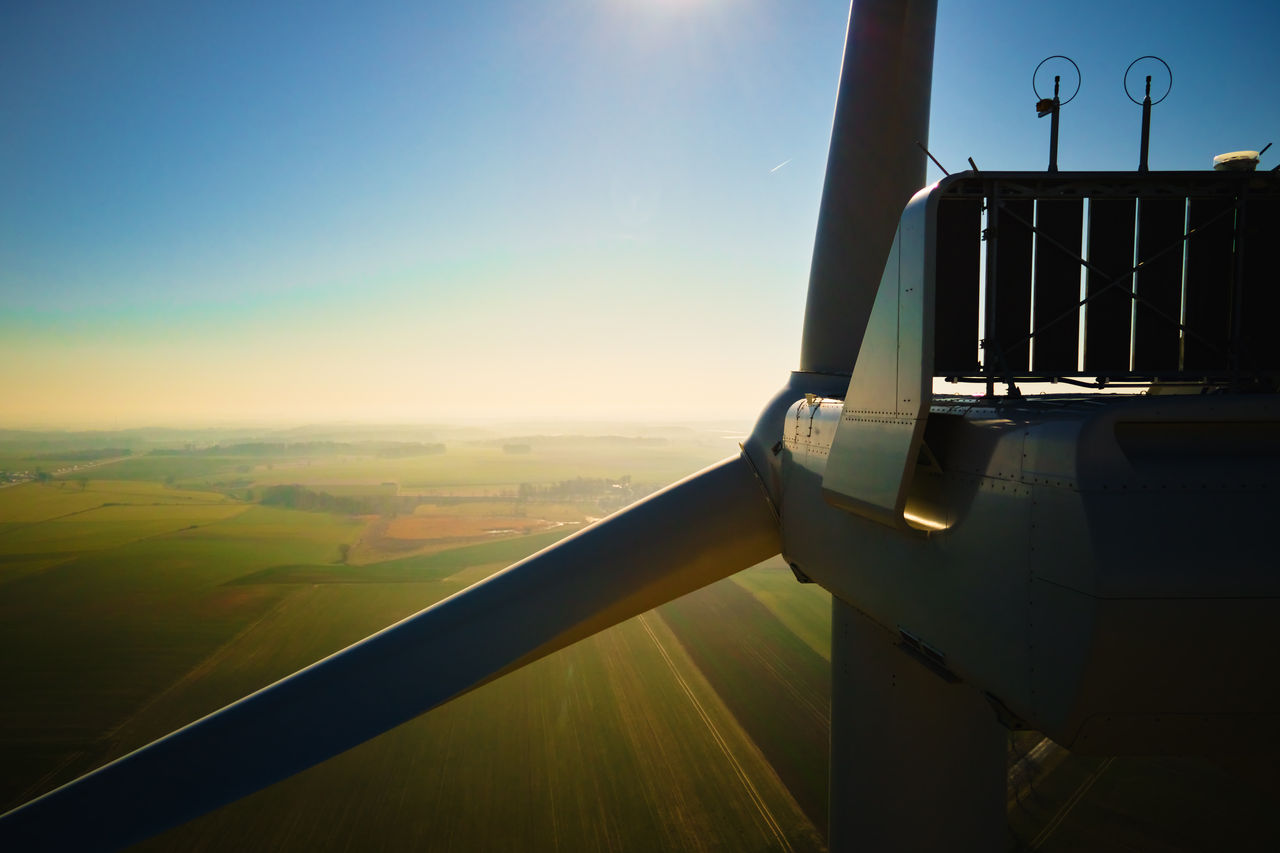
(670, 7)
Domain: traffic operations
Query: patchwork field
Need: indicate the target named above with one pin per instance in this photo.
(488, 470)
(444, 525)
(135, 606)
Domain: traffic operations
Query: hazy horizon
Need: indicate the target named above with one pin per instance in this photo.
(283, 421)
(489, 426)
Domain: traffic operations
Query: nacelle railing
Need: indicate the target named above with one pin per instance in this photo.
(1104, 278)
(1093, 279)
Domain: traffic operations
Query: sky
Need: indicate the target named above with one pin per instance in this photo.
(264, 212)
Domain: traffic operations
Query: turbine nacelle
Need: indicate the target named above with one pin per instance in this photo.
(1061, 553)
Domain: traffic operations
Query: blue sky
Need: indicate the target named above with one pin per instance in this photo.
(292, 212)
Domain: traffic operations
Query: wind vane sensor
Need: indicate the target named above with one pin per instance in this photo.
(1051, 106)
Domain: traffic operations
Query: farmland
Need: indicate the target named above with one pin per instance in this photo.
(765, 673)
(165, 586)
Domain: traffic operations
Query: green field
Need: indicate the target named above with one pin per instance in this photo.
(453, 567)
(805, 610)
(135, 606)
(196, 470)
(765, 673)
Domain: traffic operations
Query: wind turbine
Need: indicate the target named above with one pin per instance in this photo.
(1094, 567)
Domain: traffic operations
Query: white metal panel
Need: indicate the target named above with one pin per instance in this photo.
(887, 404)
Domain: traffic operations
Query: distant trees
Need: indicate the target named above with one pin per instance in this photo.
(608, 493)
(300, 497)
(579, 488)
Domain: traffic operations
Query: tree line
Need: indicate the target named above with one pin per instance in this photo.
(384, 449)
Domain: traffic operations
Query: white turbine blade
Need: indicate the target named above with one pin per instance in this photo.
(874, 166)
(690, 534)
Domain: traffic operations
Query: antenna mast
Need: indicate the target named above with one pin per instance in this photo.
(1052, 106)
(1146, 103)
